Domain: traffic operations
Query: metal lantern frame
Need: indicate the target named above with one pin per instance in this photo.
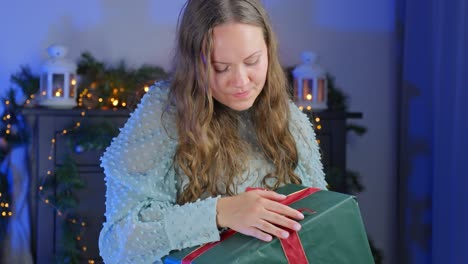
(58, 80)
(310, 84)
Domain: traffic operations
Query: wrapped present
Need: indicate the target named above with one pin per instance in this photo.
(332, 232)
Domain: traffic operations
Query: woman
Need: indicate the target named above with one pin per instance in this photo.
(177, 172)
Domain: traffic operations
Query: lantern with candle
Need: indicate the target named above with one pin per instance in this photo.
(58, 80)
(310, 84)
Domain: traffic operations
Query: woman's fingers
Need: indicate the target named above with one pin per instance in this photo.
(283, 209)
(255, 232)
(270, 195)
(257, 213)
(281, 221)
(272, 229)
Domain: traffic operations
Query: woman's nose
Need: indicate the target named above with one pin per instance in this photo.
(240, 77)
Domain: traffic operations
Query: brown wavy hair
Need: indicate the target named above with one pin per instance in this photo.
(209, 149)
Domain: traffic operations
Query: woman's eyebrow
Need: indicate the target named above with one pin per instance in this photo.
(250, 56)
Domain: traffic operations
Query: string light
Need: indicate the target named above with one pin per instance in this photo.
(49, 171)
(146, 89)
(309, 97)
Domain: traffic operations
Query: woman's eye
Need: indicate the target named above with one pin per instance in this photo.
(221, 69)
(252, 62)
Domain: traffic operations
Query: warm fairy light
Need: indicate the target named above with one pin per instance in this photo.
(124, 104)
(9, 126)
(41, 188)
(8, 116)
(50, 157)
(2, 205)
(57, 93)
(100, 100)
(3, 213)
(309, 97)
(7, 205)
(46, 201)
(10, 213)
(309, 108)
(317, 119)
(115, 102)
(90, 261)
(73, 82)
(49, 172)
(7, 102)
(74, 221)
(78, 124)
(83, 113)
(64, 131)
(78, 238)
(85, 248)
(115, 91)
(89, 95)
(32, 96)
(53, 141)
(301, 108)
(8, 131)
(112, 99)
(59, 213)
(44, 93)
(319, 127)
(27, 101)
(83, 224)
(0, 194)
(146, 89)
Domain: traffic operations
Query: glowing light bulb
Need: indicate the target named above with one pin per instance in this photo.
(309, 97)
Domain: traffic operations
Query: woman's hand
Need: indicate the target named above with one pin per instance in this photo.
(257, 213)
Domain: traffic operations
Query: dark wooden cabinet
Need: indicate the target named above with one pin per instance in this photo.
(46, 123)
(46, 224)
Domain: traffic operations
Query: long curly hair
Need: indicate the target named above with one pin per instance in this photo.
(209, 149)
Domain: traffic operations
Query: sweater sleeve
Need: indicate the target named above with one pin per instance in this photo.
(143, 221)
(309, 167)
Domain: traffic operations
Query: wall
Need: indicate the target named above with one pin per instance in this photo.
(354, 39)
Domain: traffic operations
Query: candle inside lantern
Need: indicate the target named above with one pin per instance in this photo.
(58, 92)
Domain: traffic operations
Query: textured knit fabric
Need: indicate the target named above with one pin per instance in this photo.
(143, 221)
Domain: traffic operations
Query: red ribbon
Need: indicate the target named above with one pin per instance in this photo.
(292, 245)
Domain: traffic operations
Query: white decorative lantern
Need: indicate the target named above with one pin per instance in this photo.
(310, 84)
(58, 80)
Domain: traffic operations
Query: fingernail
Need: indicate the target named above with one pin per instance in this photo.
(283, 196)
(297, 227)
(284, 234)
(301, 216)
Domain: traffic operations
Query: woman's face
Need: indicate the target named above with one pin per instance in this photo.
(239, 64)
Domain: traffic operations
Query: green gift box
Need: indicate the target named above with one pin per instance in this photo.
(332, 234)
